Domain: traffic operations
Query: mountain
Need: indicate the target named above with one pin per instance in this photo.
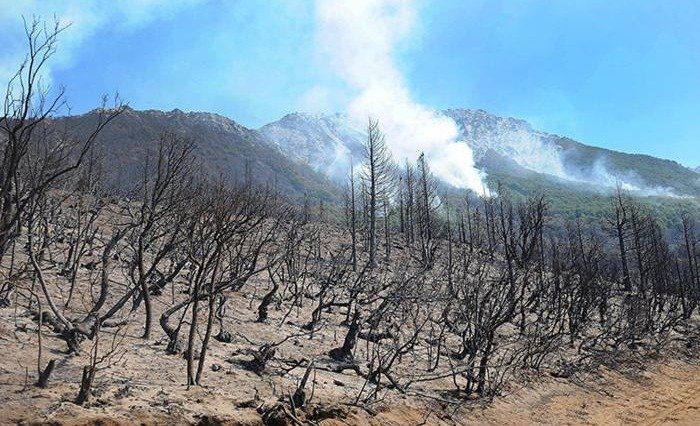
(577, 177)
(223, 147)
(501, 146)
(565, 160)
(310, 154)
(325, 143)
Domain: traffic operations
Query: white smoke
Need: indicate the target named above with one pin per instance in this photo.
(534, 151)
(360, 39)
(628, 180)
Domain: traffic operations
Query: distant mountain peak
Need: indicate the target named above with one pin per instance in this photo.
(505, 147)
(303, 116)
(485, 118)
(327, 143)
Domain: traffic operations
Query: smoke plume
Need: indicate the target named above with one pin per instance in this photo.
(359, 39)
(534, 150)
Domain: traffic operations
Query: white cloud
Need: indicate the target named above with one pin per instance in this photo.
(85, 17)
(360, 39)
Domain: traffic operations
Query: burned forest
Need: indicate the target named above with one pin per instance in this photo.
(183, 286)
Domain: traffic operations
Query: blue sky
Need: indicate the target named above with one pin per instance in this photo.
(624, 75)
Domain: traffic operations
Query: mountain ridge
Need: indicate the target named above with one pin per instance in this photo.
(308, 155)
(223, 146)
(558, 157)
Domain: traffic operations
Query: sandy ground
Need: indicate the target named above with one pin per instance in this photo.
(665, 393)
(145, 386)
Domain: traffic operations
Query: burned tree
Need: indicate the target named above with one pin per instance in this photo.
(377, 177)
(35, 157)
(156, 221)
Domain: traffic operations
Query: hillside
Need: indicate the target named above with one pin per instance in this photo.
(326, 143)
(577, 177)
(310, 154)
(569, 160)
(223, 146)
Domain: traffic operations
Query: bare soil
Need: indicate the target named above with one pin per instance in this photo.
(147, 387)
